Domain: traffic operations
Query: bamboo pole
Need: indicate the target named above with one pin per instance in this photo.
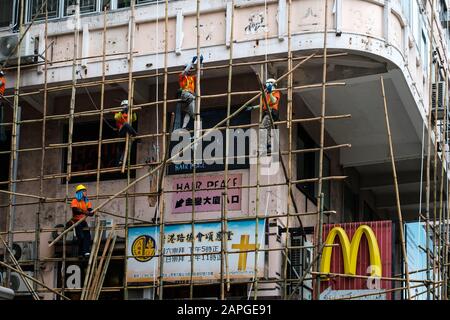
(92, 259)
(165, 147)
(42, 168)
(397, 193)
(105, 269)
(93, 288)
(289, 153)
(132, 27)
(321, 145)
(225, 279)
(427, 188)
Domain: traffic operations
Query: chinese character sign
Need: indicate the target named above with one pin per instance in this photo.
(206, 244)
(206, 200)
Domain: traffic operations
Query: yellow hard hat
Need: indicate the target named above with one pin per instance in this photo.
(81, 187)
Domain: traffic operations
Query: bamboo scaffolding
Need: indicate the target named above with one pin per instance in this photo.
(397, 193)
(14, 146)
(98, 265)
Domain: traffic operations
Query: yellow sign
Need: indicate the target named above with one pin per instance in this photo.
(143, 248)
(350, 250)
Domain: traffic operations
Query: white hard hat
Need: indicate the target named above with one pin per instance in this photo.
(271, 80)
(124, 102)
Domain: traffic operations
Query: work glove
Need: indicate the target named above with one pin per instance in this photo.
(269, 87)
(90, 212)
(201, 58)
(249, 108)
(194, 59)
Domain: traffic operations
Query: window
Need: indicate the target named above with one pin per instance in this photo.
(308, 168)
(424, 51)
(406, 8)
(7, 14)
(35, 8)
(123, 3)
(350, 204)
(210, 118)
(85, 157)
(86, 6)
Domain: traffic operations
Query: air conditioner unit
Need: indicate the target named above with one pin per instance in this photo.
(107, 224)
(8, 49)
(24, 250)
(16, 282)
(141, 294)
(437, 99)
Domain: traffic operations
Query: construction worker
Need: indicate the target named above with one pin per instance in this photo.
(124, 127)
(2, 84)
(186, 93)
(81, 206)
(273, 99)
(2, 92)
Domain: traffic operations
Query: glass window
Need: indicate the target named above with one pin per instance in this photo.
(86, 6)
(35, 8)
(123, 3)
(145, 1)
(308, 168)
(6, 14)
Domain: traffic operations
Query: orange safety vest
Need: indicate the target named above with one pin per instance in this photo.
(122, 118)
(187, 82)
(2, 85)
(81, 205)
(273, 106)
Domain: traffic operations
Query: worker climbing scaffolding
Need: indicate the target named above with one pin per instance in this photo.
(2, 111)
(81, 207)
(186, 93)
(124, 127)
(272, 99)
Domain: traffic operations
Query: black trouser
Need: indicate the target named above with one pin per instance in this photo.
(126, 128)
(84, 238)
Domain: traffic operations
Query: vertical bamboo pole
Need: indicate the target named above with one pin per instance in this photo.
(70, 133)
(44, 131)
(322, 139)
(430, 112)
(435, 145)
(224, 251)
(130, 81)
(397, 193)
(195, 147)
(165, 146)
(289, 127)
(441, 202)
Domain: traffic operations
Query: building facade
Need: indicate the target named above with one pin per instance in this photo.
(68, 102)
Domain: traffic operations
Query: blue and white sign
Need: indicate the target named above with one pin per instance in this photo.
(205, 241)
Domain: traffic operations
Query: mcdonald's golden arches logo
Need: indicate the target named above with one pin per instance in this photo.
(350, 250)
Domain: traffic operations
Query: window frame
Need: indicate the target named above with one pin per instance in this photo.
(13, 18)
(313, 157)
